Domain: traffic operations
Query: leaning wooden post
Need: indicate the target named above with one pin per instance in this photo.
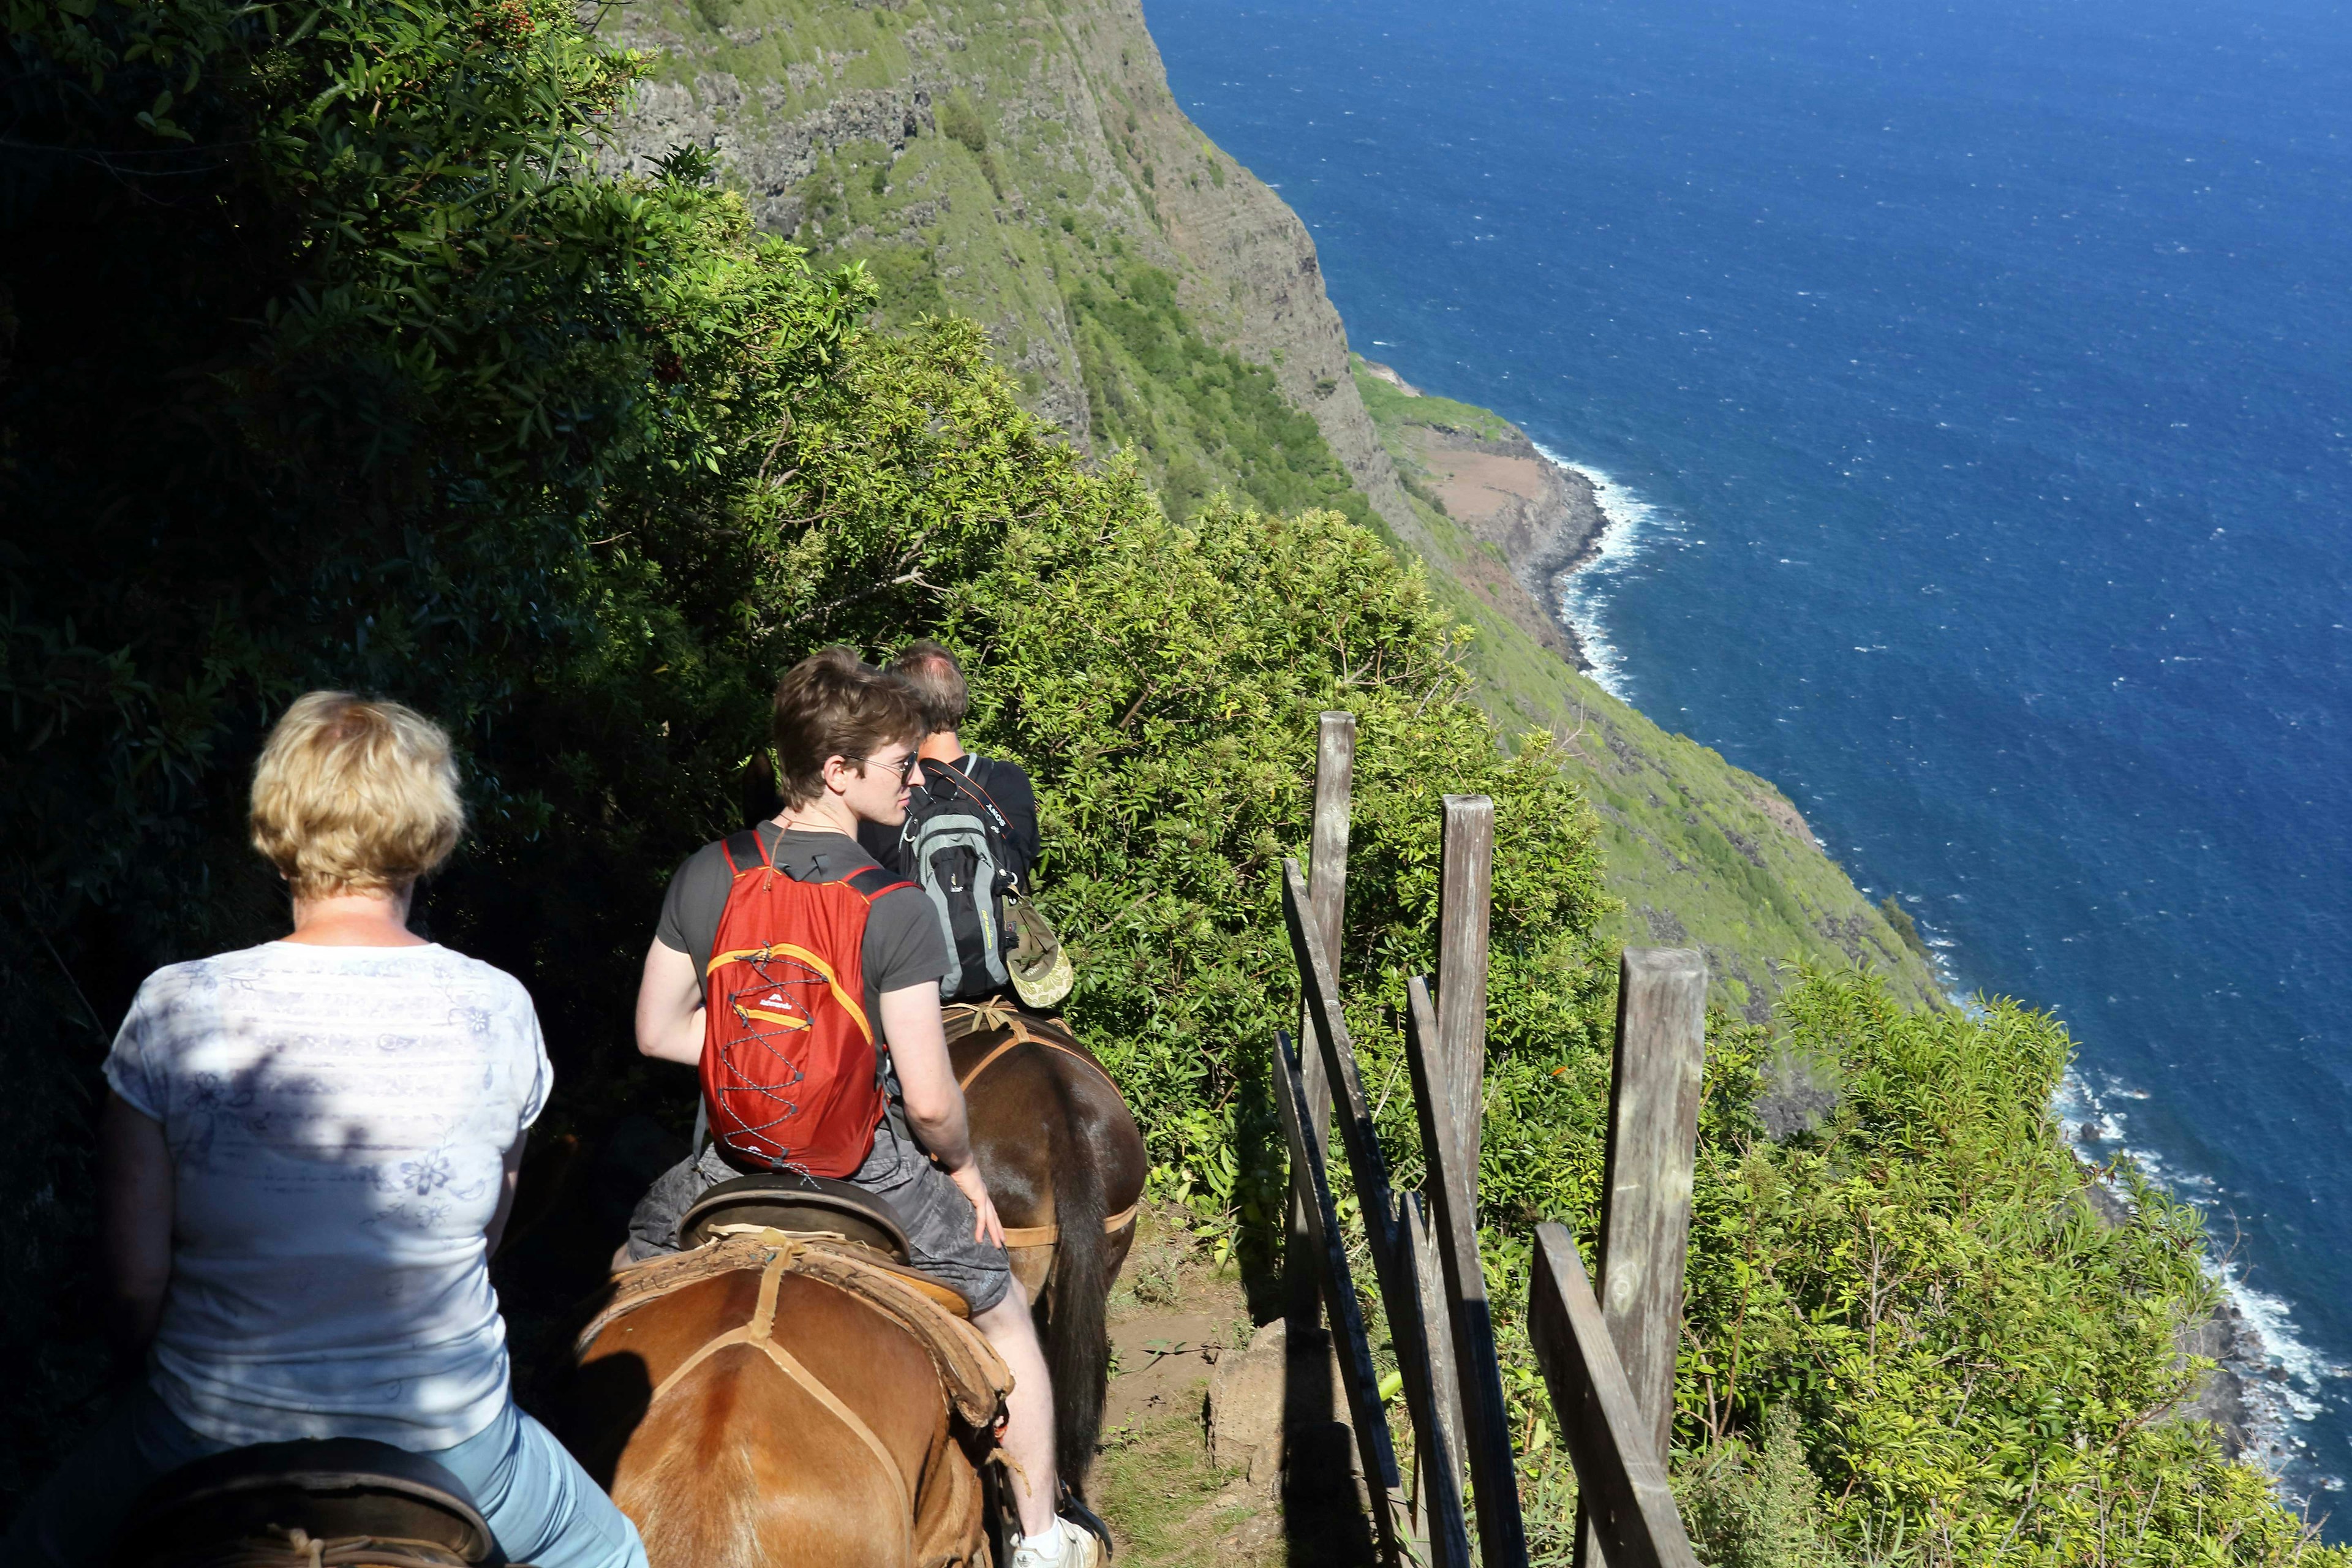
(1393, 1263)
(1485, 1419)
(1358, 1377)
(1326, 867)
(1446, 1045)
(1621, 1478)
(1654, 1095)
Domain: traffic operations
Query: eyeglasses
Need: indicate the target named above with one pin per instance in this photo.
(903, 767)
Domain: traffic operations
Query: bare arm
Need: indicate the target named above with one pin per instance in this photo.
(935, 1110)
(496, 1231)
(669, 1006)
(134, 1200)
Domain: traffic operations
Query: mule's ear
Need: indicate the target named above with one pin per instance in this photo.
(761, 799)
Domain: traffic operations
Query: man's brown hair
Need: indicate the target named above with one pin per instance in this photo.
(834, 704)
(938, 682)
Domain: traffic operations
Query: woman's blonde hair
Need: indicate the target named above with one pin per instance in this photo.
(352, 797)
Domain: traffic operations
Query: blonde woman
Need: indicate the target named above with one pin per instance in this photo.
(306, 1157)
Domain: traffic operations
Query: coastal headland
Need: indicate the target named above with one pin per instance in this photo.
(1542, 518)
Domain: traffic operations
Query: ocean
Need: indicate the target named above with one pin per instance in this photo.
(1973, 390)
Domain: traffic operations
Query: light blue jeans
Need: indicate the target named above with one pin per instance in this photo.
(539, 1503)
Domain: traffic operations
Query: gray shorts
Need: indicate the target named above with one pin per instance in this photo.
(938, 1217)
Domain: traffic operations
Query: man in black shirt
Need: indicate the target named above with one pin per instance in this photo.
(944, 699)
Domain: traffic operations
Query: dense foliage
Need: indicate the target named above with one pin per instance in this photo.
(1922, 1295)
(329, 362)
(337, 363)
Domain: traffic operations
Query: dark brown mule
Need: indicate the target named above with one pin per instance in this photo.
(765, 1402)
(1062, 1157)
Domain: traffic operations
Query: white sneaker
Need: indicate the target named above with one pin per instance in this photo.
(1081, 1548)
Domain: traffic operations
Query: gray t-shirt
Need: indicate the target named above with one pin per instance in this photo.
(903, 946)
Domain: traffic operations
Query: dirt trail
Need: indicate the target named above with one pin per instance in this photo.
(1167, 1503)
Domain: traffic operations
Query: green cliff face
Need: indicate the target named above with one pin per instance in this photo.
(1022, 163)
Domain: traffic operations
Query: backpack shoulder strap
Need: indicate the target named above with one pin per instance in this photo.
(743, 850)
(971, 787)
(873, 882)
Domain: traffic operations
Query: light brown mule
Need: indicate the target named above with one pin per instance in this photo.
(1062, 1157)
(759, 1403)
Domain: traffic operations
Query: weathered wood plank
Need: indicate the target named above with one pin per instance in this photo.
(1319, 982)
(1484, 1417)
(1335, 765)
(1465, 883)
(1358, 1377)
(1654, 1095)
(1618, 1471)
(1443, 1526)
(1327, 871)
(1417, 1224)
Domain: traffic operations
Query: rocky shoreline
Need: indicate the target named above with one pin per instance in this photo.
(2227, 1339)
(1544, 520)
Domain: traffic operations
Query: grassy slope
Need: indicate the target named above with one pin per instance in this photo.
(1699, 850)
(1050, 190)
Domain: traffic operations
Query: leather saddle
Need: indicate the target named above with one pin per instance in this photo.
(785, 1200)
(365, 1502)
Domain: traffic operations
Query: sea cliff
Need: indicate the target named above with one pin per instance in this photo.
(1024, 165)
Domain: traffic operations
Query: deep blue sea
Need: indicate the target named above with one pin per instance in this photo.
(1975, 386)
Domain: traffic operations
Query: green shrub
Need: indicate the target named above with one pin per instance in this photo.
(1905, 926)
(1757, 1506)
(1163, 680)
(960, 122)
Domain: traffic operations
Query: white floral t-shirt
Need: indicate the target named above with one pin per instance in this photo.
(338, 1119)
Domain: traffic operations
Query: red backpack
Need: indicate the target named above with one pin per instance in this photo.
(791, 1079)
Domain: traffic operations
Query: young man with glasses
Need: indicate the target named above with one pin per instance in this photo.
(877, 1116)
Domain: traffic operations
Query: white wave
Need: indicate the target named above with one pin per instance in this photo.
(1628, 525)
(2288, 1385)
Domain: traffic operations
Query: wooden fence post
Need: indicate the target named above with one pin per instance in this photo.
(1416, 1229)
(1485, 1417)
(1465, 887)
(1608, 1361)
(1621, 1478)
(1327, 864)
(1654, 1095)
